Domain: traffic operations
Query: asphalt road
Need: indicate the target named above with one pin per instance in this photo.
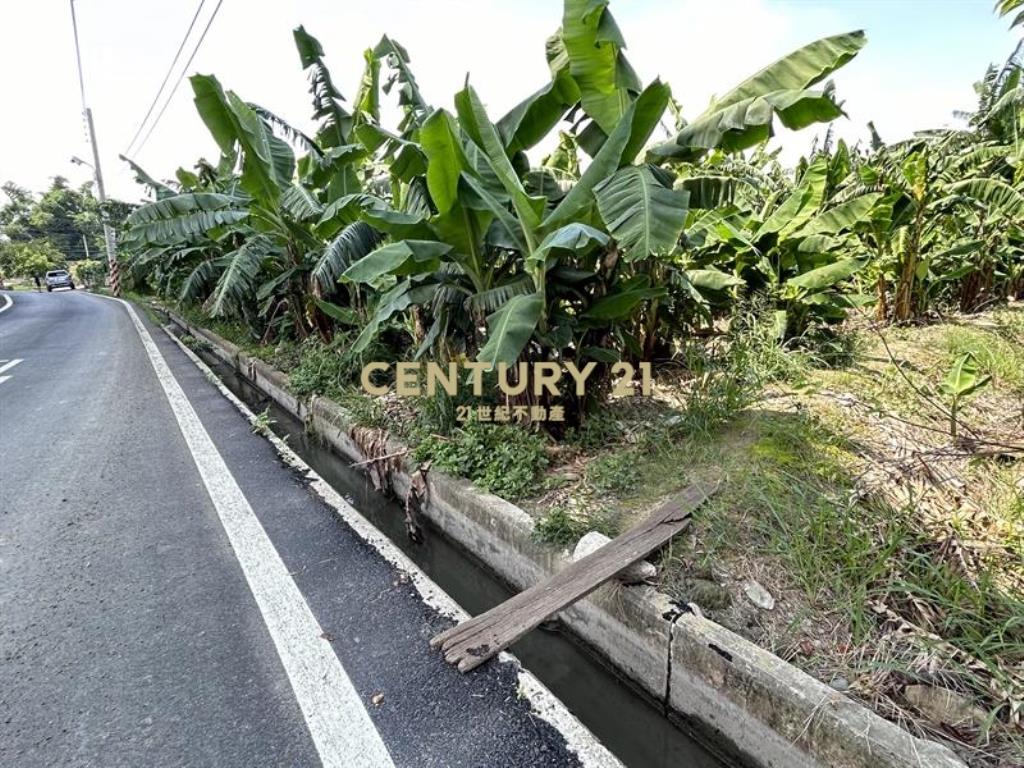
(173, 593)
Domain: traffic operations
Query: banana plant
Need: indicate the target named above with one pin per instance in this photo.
(744, 116)
(954, 234)
(1006, 7)
(961, 381)
(260, 257)
(505, 242)
(504, 231)
(443, 220)
(800, 247)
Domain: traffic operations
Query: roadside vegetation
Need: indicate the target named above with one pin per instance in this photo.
(844, 338)
(893, 556)
(60, 229)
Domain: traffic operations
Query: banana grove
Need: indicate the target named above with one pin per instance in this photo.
(438, 238)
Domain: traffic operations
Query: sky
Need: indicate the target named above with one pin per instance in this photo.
(921, 61)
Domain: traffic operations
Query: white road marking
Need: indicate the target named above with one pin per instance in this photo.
(8, 302)
(342, 730)
(8, 364)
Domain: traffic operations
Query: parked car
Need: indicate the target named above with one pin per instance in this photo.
(59, 278)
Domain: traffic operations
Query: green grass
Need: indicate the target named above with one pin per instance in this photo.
(597, 430)
(320, 369)
(564, 528)
(195, 344)
(791, 497)
(145, 303)
(500, 458)
(924, 355)
(797, 496)
(995, 353)
(364, 410)
(616, 473)
(789, 503)
(236, 333)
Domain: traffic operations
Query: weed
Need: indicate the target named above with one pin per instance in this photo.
(263, 423)
(754, 354)
(614, 472)
(1010, 324)
(729, 377)
(848, 553)
(994, 353)
(829, 347)
(286, 356)
(145, 303)
(436, 414)
(365, 410)
(501, 458)
(322, 370)
(564, 528)
(236, 333)
(596, 431)
(199, 346)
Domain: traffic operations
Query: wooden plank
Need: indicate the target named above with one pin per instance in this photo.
(476, 640)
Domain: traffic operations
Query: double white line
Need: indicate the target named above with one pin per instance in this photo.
(342, 730)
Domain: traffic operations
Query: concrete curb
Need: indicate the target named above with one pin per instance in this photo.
(761, 707)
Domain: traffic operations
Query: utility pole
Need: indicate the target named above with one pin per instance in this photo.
(114, 272)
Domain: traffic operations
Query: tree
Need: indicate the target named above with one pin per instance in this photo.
(28, 259)
(64, 217)
(91, 272)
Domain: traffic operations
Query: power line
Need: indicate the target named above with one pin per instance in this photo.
(167, 77)
(181, 77)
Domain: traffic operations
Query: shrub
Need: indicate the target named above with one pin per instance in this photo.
(500, 458)
(322, 370)
(198, 346)
(596, 430)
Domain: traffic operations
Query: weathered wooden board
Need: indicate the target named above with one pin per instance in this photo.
(475, 640)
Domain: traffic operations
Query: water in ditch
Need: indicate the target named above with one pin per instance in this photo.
(626, 722)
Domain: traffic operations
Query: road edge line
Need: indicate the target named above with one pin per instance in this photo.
(338, 722)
